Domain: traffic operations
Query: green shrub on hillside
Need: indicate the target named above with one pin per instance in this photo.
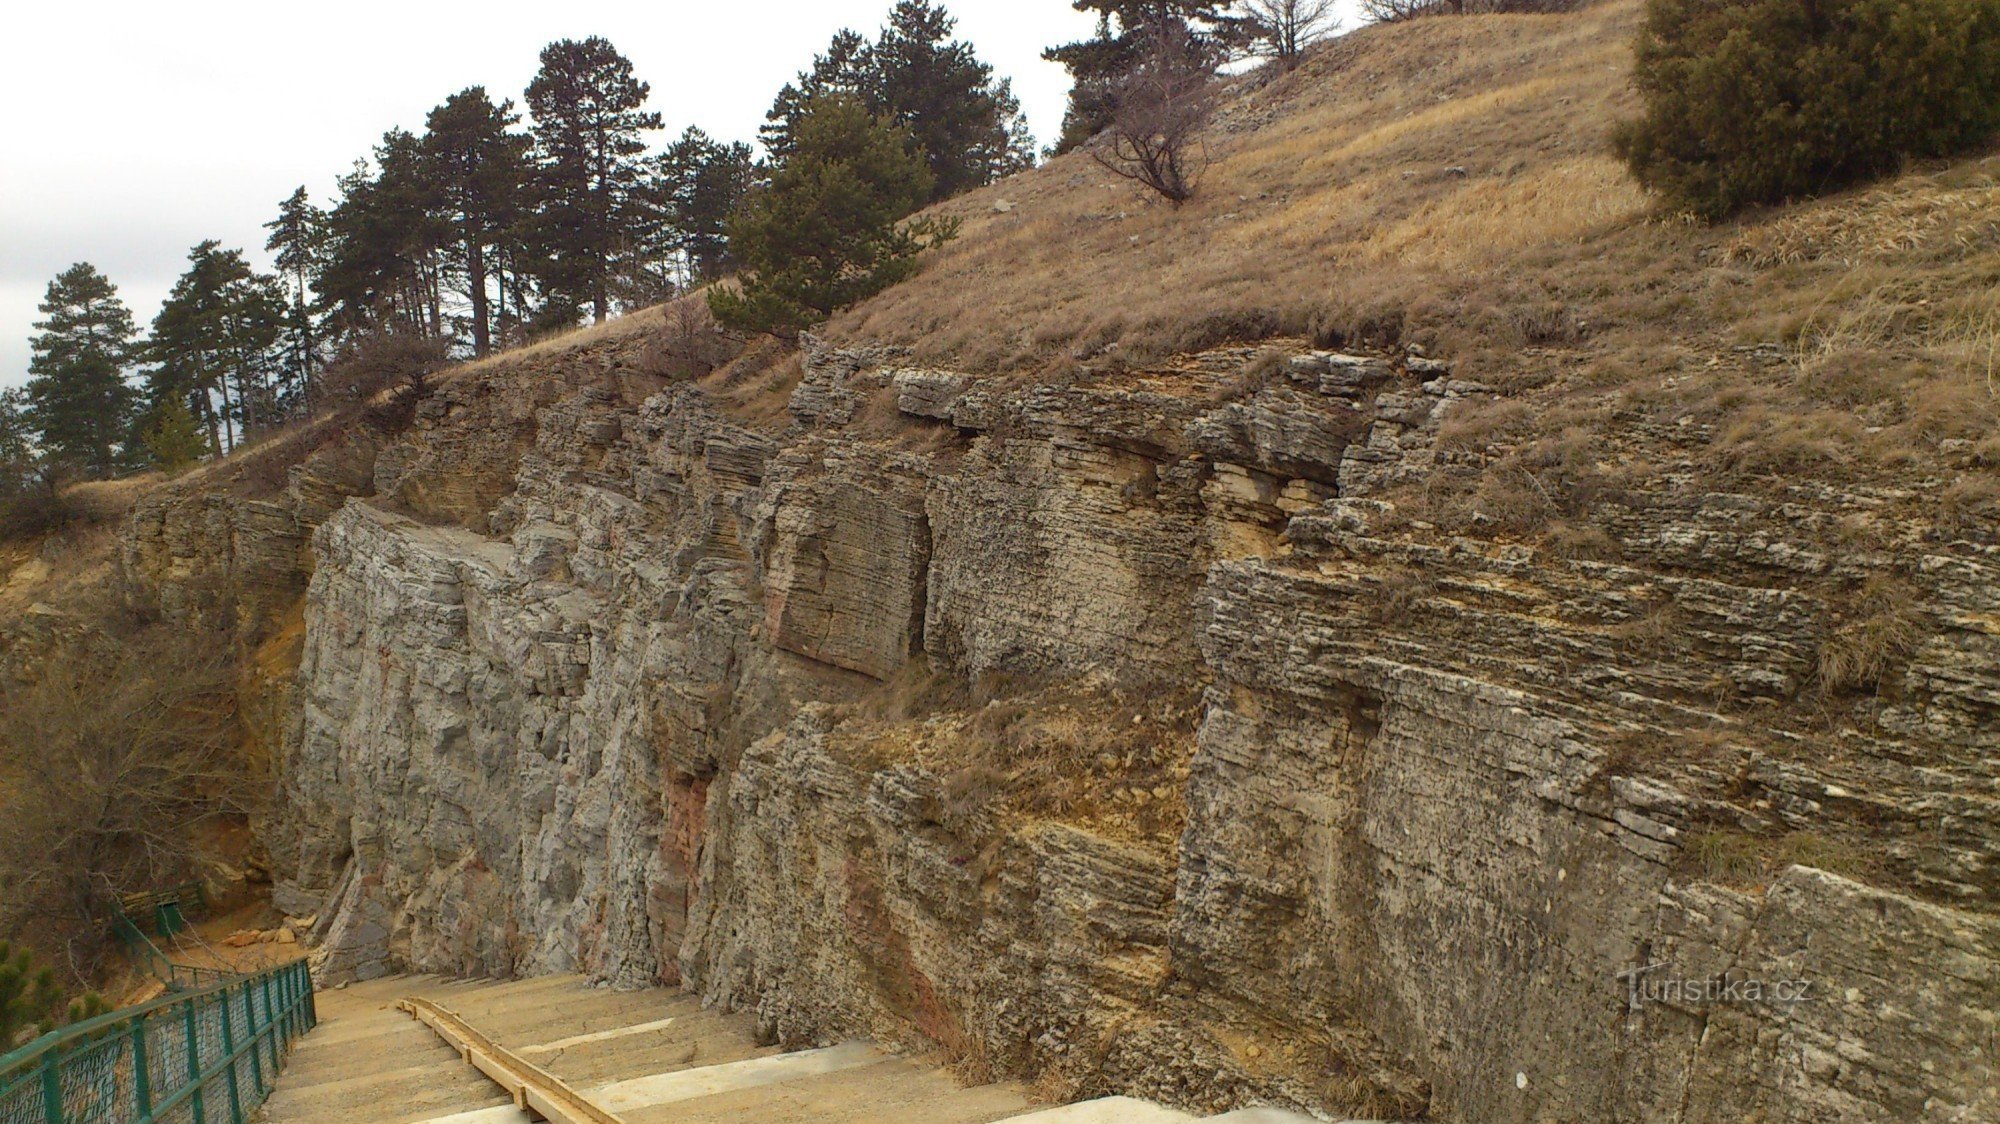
(29, 996)
(831, 227)
(1760, 101)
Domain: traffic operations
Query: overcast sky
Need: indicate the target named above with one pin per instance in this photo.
(136, 129)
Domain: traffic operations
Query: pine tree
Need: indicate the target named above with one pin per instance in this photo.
(79, 402)
(828, 231)
(298, 242)
(1098, 65)
(215, 344)
(17, 444)
(174, 438)
(844, 70)
(386, 246)
(588, 128)
(704, 183)
(29, 996)
(967, 123)
(1762, 101)
(480, 167)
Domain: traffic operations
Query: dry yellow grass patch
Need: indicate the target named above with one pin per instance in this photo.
(617, 328)
(1433, 146)
(1491, 221)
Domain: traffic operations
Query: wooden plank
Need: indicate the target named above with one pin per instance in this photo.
(531, 1086)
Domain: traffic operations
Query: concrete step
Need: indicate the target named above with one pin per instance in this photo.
(848, 1084)
(652, 1057)
(363, 1062)
(1276, 1116)
(503, 1114)
(1107, 1110)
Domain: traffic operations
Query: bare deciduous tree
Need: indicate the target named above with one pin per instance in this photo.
(1283, 29)
(1162, 104)
(690, 344)
(113, 756)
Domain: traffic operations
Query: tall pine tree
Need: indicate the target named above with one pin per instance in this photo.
(298, 244)
(480, 168)
(78, 399)
(966, 122)
(387, 235)
(704, 182)
(215, 345)
(589, 126)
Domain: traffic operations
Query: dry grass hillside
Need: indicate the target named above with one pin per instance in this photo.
(1447, 183)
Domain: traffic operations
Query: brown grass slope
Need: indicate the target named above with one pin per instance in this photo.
(1448, 183)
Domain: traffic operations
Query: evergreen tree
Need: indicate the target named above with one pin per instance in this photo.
(215, 344)
(588, 128)
(828, 231)
(17, 444)
(1761, 101)
(298, 242)
(29, 996)
(704, 182)
(844, 70)
(174, 439)
(967, 123)
(1099, 65)
(79, 401)
(479, 166)
(385, 260)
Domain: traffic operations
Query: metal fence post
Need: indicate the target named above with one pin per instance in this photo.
(229, 1059)
(52, 1098)
(270, 1030)
(194, 1062)
(142, 1081)
(251, 1036)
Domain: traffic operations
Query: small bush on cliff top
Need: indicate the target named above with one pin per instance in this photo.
(1761, 101)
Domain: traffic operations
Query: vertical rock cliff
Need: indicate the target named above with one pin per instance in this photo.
(1128, 733)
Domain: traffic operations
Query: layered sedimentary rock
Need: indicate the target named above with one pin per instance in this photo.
(598, 676)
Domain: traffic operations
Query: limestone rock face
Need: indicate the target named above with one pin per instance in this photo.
(598, 676)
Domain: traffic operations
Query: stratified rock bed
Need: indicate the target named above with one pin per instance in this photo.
(593, 681)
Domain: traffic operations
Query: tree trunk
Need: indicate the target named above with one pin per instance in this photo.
(228, 424)
(206, 409)
(475, 271)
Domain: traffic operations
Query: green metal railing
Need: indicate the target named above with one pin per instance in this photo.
(202, 1057)
(148, 957)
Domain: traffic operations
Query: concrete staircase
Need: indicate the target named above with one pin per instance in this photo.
(646, 1057)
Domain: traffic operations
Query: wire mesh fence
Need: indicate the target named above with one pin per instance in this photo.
(201, 1058)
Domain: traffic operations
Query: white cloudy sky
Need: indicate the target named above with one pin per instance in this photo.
(136, 129)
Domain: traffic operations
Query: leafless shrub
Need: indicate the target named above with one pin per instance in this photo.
(110, 758)
(1283, 29)
(690, 343)
(1155, 133)
(383, 361)
(35, 513)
